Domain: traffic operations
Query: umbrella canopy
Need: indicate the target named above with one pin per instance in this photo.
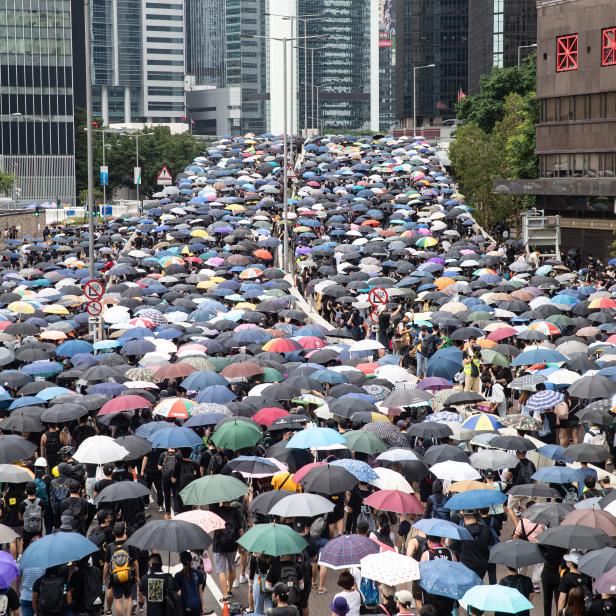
(213, 489)
(389, 568)
(169, 536)
(56, 549)
(122, 490)
(575, 537)
(446, 578)
(301, 505)
(496, 598)
(100, 450)
(273, 539)
(346, 551)
(516, 554)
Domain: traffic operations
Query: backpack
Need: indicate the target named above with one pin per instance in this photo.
(41, 490)
(121, 566)
(365, 515)
(190, 591)
(369, 591)
(4, 604)
(187, 473)
(526, 470)
(59, 491)
(227, 537)
(428, 346)
(317, 528)
(173, 603)
(598, 438)
(33, 516)
(288, 575)
(474, 369)
(588, 598)
(571, 497)
(439, 511)
(51, 599)
(71, 516)
(169, 465)
(92, 594)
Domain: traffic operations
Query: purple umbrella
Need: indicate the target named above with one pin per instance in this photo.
(8, 570)
(434, 383)
(607, 582)
(346, 551)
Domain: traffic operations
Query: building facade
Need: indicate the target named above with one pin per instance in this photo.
(497, 31)
(576, 88)
(387, 66)
(36, 99)
(430, 32)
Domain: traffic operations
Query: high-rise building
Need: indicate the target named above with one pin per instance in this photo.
(430, 32)
(138, 60)
(36, 98)
(346, 63)
(387, 65)
(497, 29)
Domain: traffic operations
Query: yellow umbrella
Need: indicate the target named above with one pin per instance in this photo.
(55, 309)
(284, 481)
(245, 306)
(199, 233)
(21, 308)
(468, 484)
(206, 284)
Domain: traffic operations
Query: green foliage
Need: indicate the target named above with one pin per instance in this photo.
(6, 182)
(155, 150)
(82, 197)
(487, 107)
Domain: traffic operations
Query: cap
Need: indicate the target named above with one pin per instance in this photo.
(404, 597)
(40, 462)
(340, 606)
(488, 472)
(572, 557)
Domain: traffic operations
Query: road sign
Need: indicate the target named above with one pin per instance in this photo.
(93, 290)
(104, 175)
(94, 308)
(136, 176)
(374, 316)
(164, 177)
(378, 296)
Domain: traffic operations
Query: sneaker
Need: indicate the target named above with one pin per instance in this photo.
(161, 510)
(243, 579)
(236, 583)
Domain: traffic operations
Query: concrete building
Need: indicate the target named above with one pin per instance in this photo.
(36, 99)
(576, 87)
(430, 32)
(387, 66)
(497, 29)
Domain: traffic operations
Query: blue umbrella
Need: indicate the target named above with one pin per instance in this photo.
(43, 367)
(201, 379)
(446, 578)
(50, 393)
(442, 528)
(558, 474)
(174, 437)
(496, 598)
(204, 419)
(538, 356)
(73, 347)
(148, 429)
(554, 452)
(313, 438)
(56, 549)
(215, 393)
(543, 400)
(25, 401)
(475, 499)
(445, 363)
(360, 470)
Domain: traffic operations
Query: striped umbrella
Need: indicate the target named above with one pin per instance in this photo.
(543, 400)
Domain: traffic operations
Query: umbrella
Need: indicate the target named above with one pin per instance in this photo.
(575, 537)
(454, 471)
(100, 450)
(389, 568)
(9, 570)
(254, 466)
(513, 443)
(594, 518)
(475, 499)
(56, 549)
(388, 479)
(442, 528)
(585, 452)
(7, 534)
(262, 503)
(516, 554)
(606, 584)
(446, 578)
(346, 551)
(207, 520)
(597, 562)
(213, 489)
(273, 539)
(548, 514)
(10, 473)
(136, 446)
(235, 435)
(444, 453)
(122, 490)
(532, 490)
(362, 471)
(394, 500)
(494, 459)
(496, 598)
(174, 438)
(364, 442)
(301, 506)
(315, 438)
(14, 448)
(328, 479)
(169, 536)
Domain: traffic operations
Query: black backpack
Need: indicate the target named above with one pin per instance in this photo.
(288, 576)
(168, 465)
(428, 346)
(51, 598)
(526, 470)
(227, 537)
(439, 511)
(92, 594)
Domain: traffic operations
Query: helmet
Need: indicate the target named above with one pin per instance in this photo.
(41, 463)
(67, 451)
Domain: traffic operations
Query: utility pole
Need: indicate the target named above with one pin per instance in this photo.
(88, 46)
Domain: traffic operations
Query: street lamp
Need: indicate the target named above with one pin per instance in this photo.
(415, 69)
(136, 136)
(520, 47)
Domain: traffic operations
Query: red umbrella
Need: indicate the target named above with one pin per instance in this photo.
(501, 333)
(281, 345)
(267, 415)
(173, 371)
(124, 403)
(311, 342)
(241, 370)
(394, 500)
(302, 472)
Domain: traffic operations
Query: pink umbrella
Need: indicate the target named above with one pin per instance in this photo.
(124, 403)
(394, 500)
(207, 520)
(302, 472)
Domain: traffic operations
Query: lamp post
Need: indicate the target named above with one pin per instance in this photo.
(520, 47)
(90, 155)
(136, 136)
(317, 88)
(415, 69)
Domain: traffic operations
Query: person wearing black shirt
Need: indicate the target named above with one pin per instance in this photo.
(106, 481)
(83, 431)
(152, 476)
(84, 589)
(154, 587)
(476, 553)
(353, 506)
(12, 606)
(604, 606)
(522, 583)
(550, 577)
(224, 546)
(572, 579)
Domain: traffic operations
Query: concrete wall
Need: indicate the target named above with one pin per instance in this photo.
(26, 222)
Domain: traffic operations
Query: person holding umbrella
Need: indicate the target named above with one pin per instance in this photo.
(280, 597)
(475, 554)
(120, 571)
(154, 587)
(190, 582)
(572, 580)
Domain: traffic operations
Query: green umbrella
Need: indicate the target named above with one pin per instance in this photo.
(273, 539)
(213, 489)
(489, 356)
(219, 363)
(236, 435)
(271, 375)
(364, 442)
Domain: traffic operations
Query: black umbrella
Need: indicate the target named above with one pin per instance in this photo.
(262, 503)
(444, 453)
(293, 458)
(137, 446)
(575, 536)
(290, 422)
(464, 397)
(516, 554)
(548, 514)
(328, 479)
(585, 452)
(513, 443)
(406, 397)
(169, 536)
(14, 448)
(18, 422)
(597, 562)
(60, 413)
(430, 429)
(122, 490)
(533, 490)
(590, 387)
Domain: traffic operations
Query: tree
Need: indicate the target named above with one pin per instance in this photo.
(6, 182)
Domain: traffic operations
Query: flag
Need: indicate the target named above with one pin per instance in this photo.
(461, 94)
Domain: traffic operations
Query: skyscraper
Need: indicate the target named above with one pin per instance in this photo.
(387, 65)
(496, 29)
(36, 98)
(346, 63)
(430, 32)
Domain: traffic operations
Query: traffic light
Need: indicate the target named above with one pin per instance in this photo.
(37, 210)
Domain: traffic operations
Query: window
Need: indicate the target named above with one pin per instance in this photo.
(608, 46)
(567, 53)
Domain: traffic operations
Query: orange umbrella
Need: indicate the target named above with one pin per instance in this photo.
(443, 283)
(485, 343)
(263, 254)
(468, 484)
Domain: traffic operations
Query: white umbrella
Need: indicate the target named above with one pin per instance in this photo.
(365, 345)
(389, 568)
(100, 450)
(494, 459)
(563, 377)
(391, 480)
(301, 505)
(454, 471)
(397, 455)
(116, 314)
(395, 374)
